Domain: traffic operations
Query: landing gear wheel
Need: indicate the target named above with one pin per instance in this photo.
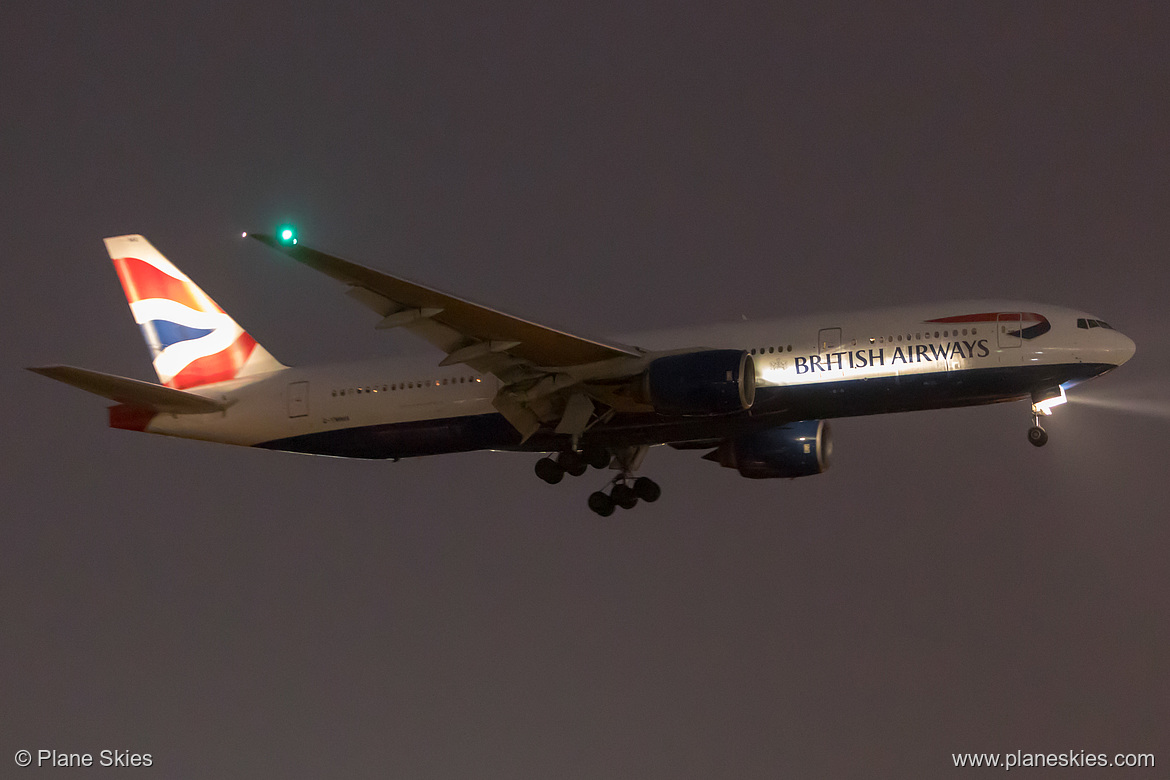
(572, 463)
(1037, 436)
(647, 489)
(598, 459)
(623, 496)
(601, 503)
(549, 470)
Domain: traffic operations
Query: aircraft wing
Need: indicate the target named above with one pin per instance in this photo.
(544, 372)
(471, 329)
(132, 391)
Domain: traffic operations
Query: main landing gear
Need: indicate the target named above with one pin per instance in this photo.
(626, 490)
(553, 470)
(624, 493)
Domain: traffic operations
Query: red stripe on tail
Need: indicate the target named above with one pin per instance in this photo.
(141, 281)
(220, 367)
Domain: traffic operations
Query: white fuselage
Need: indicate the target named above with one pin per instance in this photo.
(894, 359)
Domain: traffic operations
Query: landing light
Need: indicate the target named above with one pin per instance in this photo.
(1045, 407)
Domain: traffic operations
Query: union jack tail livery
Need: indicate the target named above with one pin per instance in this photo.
(192, 341)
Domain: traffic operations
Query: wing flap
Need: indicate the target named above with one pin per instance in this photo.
(132, 392)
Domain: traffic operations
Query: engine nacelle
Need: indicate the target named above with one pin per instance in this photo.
(717, 381)
(798, 449)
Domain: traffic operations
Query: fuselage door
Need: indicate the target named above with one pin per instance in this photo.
(298, 399)
(1008, 330)
(829, 340)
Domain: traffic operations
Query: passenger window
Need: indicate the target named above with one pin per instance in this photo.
(964, 331)
(936, 334)
(789, 347)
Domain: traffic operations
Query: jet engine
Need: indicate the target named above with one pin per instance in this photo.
(798, 449)
(717, 381)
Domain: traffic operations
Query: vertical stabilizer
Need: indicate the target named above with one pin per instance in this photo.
(192, 341)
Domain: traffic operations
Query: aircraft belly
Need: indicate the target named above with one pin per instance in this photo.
(406, 439)
(774, 405)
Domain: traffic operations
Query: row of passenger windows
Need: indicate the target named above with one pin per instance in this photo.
(919, 336)
(946, 334)
(393, 386)
(1084, 323)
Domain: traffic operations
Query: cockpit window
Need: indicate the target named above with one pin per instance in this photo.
(1104, 324)
(1094, 324)
(1083, 323)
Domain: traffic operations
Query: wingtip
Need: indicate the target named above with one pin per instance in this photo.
(270, 241)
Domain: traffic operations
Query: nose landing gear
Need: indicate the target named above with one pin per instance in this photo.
(1042, 403)
(1037, 436)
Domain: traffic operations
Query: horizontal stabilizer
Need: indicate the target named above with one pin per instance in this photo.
(132, 392)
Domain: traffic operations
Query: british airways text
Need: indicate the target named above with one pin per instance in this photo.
(918, 353)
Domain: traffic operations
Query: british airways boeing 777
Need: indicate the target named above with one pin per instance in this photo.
(754, 395)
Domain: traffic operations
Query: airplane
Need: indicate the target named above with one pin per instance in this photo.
(755, 396)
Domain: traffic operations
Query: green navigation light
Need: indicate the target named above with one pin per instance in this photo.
(287, 235)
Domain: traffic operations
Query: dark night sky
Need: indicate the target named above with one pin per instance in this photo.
(606, 168)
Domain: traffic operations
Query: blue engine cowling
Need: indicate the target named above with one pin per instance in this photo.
(717, 381)
(798, 449)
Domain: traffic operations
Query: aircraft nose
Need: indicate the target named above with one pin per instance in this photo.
(1125, 348)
